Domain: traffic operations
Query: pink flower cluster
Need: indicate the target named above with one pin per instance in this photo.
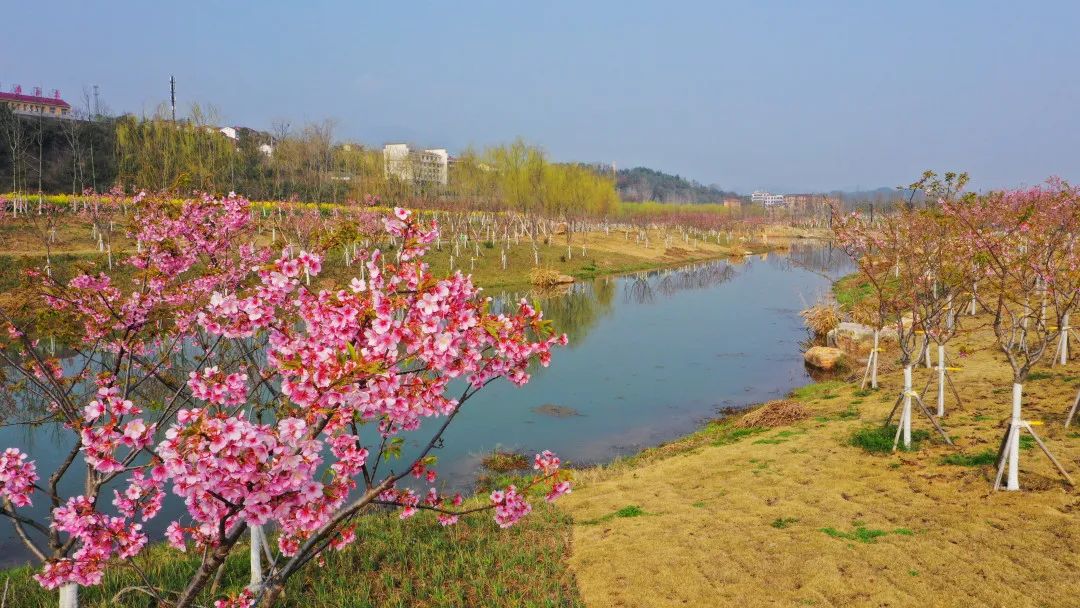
(217, 387)
(509, 506)
(17, 477)
(231, 469)
(100, 537)
(105, 429)
(244, 599)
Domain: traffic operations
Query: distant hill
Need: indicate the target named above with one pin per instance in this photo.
(642, 184)
(883, 197)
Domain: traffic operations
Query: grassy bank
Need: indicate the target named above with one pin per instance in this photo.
(822, 513)
(414, 563)
(590, 254)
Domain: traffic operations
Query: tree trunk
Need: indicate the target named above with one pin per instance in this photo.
(69, 596)
(1014, 444)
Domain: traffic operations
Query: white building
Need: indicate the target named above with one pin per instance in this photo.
(767, 199)
(419, 166)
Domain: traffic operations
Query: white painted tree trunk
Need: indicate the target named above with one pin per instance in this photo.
(69, 596)
(873, 366)
(256, 557)
(905, 416)
(940, 380)
(1014, 442)
(1063, 349)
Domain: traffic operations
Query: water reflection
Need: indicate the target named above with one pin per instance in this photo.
(642, 287)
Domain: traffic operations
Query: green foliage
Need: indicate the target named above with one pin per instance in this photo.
(414, 562)
(783, 522)
(879, 440)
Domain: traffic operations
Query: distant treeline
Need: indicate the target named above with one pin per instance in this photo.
(57, 156)
(60, 156)
(54, 155)
(641, 184)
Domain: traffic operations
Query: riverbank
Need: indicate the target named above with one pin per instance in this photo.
(394, 563)
(804, 514)
(589, 255)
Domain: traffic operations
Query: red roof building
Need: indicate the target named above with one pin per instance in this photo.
(35, 104)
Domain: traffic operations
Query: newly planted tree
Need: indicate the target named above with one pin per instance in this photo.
(1024, 243)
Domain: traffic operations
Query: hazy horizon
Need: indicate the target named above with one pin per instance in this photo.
(829, 96)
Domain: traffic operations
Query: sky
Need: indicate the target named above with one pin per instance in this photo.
(785, 96)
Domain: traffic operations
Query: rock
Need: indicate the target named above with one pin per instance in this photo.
(856, 338)
(824, 357)
(564, 279)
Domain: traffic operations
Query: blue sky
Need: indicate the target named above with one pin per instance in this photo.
(779, 95)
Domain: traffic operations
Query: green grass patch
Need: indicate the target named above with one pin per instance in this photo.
(1027, 442)
(396, 563)
(879, 439)
(862, 534)
(980, 459)
(783, 522)
(791, 433)
(818, 390)
(850, 290)
(769, 441)
(729, 434)
(1039, 376)
(625, 512)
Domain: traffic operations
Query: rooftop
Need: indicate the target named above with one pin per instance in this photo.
(18, 95)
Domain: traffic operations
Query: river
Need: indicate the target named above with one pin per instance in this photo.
(651, 357)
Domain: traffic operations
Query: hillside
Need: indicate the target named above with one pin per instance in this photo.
(642, 184)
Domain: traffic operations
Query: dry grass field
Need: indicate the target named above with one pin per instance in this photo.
(798, 516)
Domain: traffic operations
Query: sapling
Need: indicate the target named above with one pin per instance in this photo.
(1022, 241)
(899, 243)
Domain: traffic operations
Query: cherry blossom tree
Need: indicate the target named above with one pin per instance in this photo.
(896, 257)
(217, 375)
(1024, 242)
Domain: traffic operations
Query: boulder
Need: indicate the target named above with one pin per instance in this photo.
(856, 338)
(824, 357)
(564, 279)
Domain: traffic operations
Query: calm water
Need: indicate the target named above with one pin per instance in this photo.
(650, 358)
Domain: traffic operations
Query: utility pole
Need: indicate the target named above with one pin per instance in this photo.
(172, 95)
(97, 105)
